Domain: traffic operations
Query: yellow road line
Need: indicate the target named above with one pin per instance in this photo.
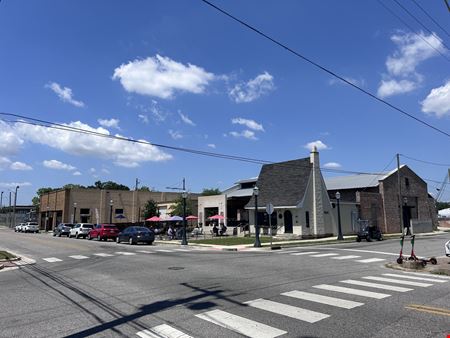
(429, 309)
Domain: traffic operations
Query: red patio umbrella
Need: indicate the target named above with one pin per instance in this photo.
(191, 217)
(216, 217)
(153, 219)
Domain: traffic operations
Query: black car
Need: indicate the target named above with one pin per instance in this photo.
(62, 229)
(134, 235)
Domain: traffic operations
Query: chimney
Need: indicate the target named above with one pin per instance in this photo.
(318, 218)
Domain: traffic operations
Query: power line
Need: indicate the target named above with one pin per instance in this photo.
(427, 162)
(384, 169)
(326, 70)
(412, 30)
(431, 18)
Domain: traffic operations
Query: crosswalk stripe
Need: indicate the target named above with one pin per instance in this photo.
(312, 297)
(287, 310)
(350, 291)
(371, 260)
(346, 257)
(162, 331)
(325, 255)
(52, 259)
(78, 257)
(125, 253)
(376, 285)
(424, 275)
(416, 278)
(145, 251)
(303, 253)
(103, 255)
(396, 281)
(164, 250)
(286, 252)
(244, 326)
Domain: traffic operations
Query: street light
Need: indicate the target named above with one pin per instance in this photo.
(14, 210)
(74, 212)
(184, 239)
(111, 202)
(257, 241)
(338, 197)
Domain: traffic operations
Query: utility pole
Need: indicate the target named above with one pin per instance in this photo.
(133, 218)
(1, 200)
(399, 188)
(9, 210)
(14, 210)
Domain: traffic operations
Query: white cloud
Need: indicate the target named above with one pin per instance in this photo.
(161, 77)
(176, 135)
(76, 173)
(438, 101)
(211, 145)
(20, 166)
(13, 185)
(92, 170)
(251, 124)
(412, 49)
(318, 144)
(143, 118)
(111, 123)
(186, 119)
(57, 165)
(332, 165)
(393, 87)
(121, 152)
(10, 142)
(65, 94)
(253, 89)
(105, 171)
(248, 134)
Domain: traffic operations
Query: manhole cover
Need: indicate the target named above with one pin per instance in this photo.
(176, 268)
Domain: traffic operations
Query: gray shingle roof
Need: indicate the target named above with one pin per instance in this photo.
(353, 182)
(283, 183)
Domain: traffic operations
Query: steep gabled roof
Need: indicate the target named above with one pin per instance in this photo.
(283, 183)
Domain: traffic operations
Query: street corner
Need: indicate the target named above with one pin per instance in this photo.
(422, 266)
(12, 260)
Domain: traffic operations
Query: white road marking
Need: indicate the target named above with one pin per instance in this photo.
(103, 255)
(425, 275)
(162, 331)
(396, 281)
(351, 291)
(346, 257)
(368, 251)
(325, 255)
(241, 325)
(125, 253)
(376, 285)
(78, 257)
(285, 252)
(312, 297)
(164, 250)
(182, 250)
(370, 260)
(145, 251)
(304, 253)
(52, 259)
(416, 278)
(287, 310)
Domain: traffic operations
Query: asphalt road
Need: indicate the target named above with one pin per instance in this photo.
(80, 288)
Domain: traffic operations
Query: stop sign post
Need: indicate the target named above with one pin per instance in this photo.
(269, 210)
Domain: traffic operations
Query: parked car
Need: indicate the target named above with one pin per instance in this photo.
(18, 227)
(81, 230)
(30, 227)
(104, 232)
(63, 229)
(136, 234)
(447, 249)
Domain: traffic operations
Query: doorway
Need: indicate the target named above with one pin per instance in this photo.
(288, 222)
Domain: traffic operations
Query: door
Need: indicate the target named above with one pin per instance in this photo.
(288, 222)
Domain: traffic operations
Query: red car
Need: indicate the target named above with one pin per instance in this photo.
(104, 232)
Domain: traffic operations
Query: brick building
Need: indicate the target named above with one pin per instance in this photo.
(122, 207)
(376, 200)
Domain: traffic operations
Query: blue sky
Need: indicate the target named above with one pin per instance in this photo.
(181, 74)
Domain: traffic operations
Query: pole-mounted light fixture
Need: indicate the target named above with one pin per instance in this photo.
(257, 241)
(338, 198)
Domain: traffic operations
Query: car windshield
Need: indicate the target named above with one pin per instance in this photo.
(89, 226)
(68, 225)
(110, 227)
(142, 229)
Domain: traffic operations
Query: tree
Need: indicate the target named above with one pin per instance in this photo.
(150, 209)
(210, 191)
(110, 185)
(73, 186)
(177, 208)
(41, 191)
(442, 205)
(144, 188)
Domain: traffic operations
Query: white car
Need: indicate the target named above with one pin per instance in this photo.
(81, 230)
(447, 249)
(18, 228)
(30, 227)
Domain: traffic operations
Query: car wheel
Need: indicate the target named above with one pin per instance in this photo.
(54, 234)
(89, 237)
(59, 235)
(131, 241)
(76, 236)
(99, 238)
(117, 240)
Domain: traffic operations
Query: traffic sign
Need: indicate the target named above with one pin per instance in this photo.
(269, 208)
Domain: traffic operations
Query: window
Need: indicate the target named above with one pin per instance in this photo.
(307, 218)
(119, 211)
(407, 182)
(85, 211)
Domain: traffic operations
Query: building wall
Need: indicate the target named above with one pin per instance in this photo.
(214, 201)
(372, 209)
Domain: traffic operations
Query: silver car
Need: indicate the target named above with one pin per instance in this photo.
(30, 227)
